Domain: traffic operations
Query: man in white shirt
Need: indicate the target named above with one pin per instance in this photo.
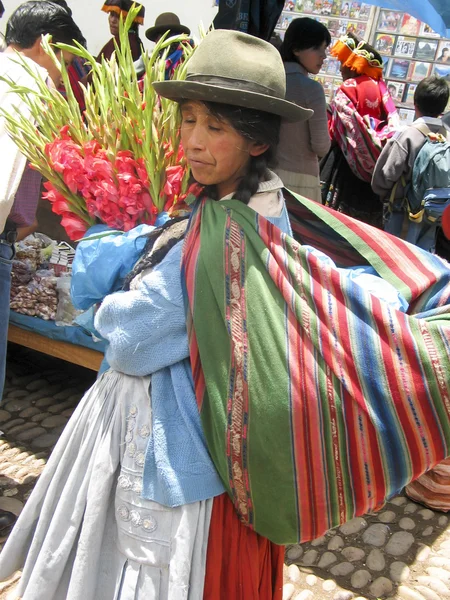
(18, 197)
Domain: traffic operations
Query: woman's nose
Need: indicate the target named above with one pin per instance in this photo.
(196, 137)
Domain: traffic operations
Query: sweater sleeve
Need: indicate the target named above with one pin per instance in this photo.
(391, 165)
(318, 123)
(146, 327)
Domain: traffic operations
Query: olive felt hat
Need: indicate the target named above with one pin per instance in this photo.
(235, 68)
(167, 21)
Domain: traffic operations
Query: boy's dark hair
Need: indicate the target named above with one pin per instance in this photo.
(431, 96)
(33, 19)
(2, 9)
(302, 34)
(64, 5)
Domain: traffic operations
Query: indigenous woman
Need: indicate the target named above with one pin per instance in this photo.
(363, 116)
(343, 406)
(115, 9)
(302, 144)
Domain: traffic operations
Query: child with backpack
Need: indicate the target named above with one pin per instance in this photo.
(411, 163)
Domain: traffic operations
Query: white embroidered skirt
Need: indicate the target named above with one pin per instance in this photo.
(85, 532)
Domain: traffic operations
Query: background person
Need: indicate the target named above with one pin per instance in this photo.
(362, 117)
(115, 9)
(169, 23)
(302, 144)
(395, 165)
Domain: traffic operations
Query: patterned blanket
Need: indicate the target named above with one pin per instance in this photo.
(318, 400)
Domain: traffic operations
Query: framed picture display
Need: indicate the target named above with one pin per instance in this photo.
(426, 49)
(396, 90)
(308, 6)
(345, 9)
(289, 5)
(406, 116)
(443, 52)
(426, 30)
(399, 68)
(442, 70)
(410, 25)
(336, 8)
(355, 10)
(405, 46)
(419, 70)
(408, 97)
(364, 13)
(327, 5)
(384, 43)
(386, 65)
(389, 20)
(286, 20)
(328, 86)
(333, 67)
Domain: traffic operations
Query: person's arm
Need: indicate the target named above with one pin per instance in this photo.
(146, 327)
(318, 123)
(23, 232)
(391, 165)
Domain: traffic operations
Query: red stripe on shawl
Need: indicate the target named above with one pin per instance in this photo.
(393, 253)
(191, 249)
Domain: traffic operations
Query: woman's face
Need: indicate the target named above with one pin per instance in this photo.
(113, 21)
(216, 152)
(312, 58)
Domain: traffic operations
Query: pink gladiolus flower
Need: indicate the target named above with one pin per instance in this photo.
(74, 226)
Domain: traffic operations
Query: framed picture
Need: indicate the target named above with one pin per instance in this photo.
(364, 13)
(399, 68)
(419, 70)
(410, 25)
(442, 71)
(408, 98)
(426, 49)
(308, 6)
(405, 46)
(336, 8)
(327, 5)
(396, 90)
(443, 53)
(361, 29)
(318, 7)
(289, 5)
(426, 30)
(345, 9)
(352, 27)
(384, 43)
(386, 64)
(286, 20)
(328, 87)
(299, 5)
(333, 67)
(406, 116)
(355, 10)
(389, 20)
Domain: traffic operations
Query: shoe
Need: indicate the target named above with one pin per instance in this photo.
(7, 520)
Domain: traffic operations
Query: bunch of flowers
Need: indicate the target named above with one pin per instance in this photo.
(121, 162)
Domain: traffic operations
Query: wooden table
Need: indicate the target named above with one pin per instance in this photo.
(78, 355)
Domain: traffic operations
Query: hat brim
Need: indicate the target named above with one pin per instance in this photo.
(193, 90)
(153, 32)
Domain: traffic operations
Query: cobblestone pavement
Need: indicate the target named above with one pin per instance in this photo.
(401, 552)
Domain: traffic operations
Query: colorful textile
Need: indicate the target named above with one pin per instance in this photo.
(363, 118)
(240, 564)
(433, 488)
(318, 400)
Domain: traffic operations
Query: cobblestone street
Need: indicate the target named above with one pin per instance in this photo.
(401, 552)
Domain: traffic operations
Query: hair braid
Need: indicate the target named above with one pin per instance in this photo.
(250, 183)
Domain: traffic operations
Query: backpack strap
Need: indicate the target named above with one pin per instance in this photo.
(422, 127)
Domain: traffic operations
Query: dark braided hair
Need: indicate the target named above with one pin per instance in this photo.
(255, 126)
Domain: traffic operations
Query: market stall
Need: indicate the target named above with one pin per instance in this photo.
(42, 316)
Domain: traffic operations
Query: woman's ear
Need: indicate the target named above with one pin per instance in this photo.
(256, 148)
